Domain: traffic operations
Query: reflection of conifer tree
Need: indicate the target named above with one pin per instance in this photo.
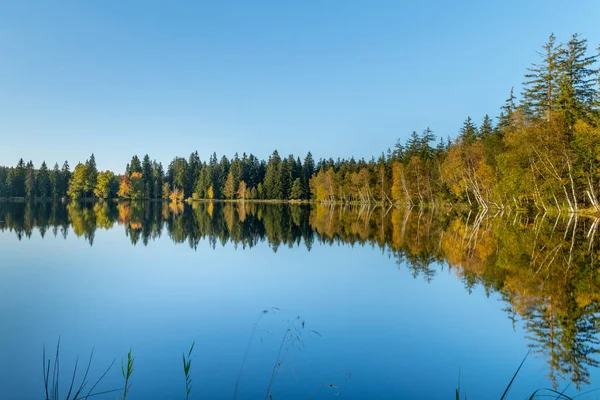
(546, 274)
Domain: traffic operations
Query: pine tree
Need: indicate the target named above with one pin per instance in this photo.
(577, 83)
(147, 177)
(135, 165)
(158, 177)
(486, 128)
(65, 173)
(224, 166)
(91, 175)
(3, 182)
(413, 145)
(426, 152)
(17, 179)
(30, 183)
(203, 183)
(215, 169)
(506, 112)
(44, 184)
(468, 132)
(541, 87)
(271, 187)
(284, 180)
(398, 153)
(308, 169)
(55, 179)
(194, 166)
(236, 171)
(178, 171)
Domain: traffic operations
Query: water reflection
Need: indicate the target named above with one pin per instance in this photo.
(545, 269)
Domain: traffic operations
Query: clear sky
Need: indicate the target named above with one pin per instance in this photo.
(338, 78)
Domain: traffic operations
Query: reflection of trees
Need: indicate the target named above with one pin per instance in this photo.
(83, 221)
(545, 270)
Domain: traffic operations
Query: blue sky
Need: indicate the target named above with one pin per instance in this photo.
(338, 78)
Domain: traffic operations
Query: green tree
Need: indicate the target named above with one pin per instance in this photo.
(91, 174)
(577, 82)
(16, 179)
(78, 182)
(486, 129)
(44, 184)
(135, 165)
(308, 169)
(55, 179)
(283, 182)
(468, 132)
(137, 186)
(147, 177)
(65, 173)
(541, 87)
(297, 191)
(506, 112)
(271, 185)
(30, 183)
(4, 182)
(203, 183)
(179, 174)
(158, 176)
(105, 185)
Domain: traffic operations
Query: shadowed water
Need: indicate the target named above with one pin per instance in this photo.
(383, 302)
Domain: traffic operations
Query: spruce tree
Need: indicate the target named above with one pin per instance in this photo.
(30, 183)
(65, 178)
(147, 177)
(158, 175)
(413, 145)
(506, 112)
(204, 182)
(91, 174)
(426, 151)
(55, 179)
(541, 87)
(194, 165)
(284, 181)
(17, 179)
(271, 187)
(308, 169)
(487, 128)
(578, 78)
(135, 165)
(468, 132)
(3, 182)
(44, 185)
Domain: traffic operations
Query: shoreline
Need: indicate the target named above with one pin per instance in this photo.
(461, 207)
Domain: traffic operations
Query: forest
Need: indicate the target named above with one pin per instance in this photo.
(542, 152)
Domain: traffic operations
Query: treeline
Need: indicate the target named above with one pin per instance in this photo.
(237, 178)
(542, 151)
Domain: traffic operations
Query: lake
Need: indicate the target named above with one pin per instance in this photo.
(297, 301)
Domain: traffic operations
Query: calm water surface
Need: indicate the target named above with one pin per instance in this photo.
(351, 303)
